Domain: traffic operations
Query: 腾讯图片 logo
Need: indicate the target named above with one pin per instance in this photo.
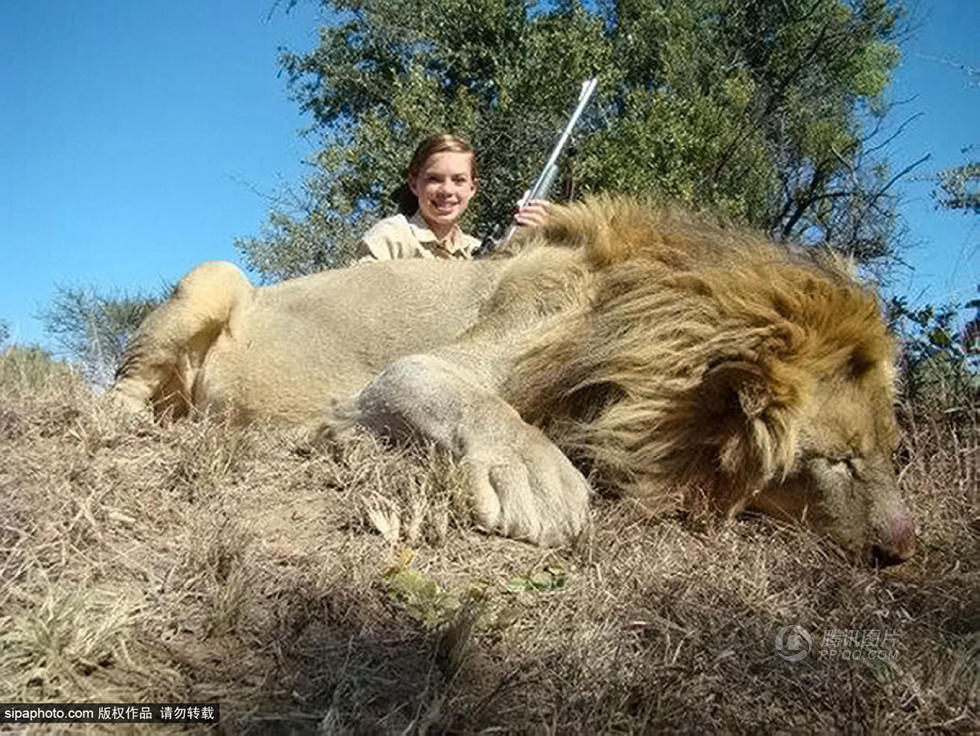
(793, 643)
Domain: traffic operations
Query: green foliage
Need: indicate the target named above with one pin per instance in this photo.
(480, 605)
(959, 187)
(4, 332)
(93, 328)
(546, 581)
(940, 364)
(756, 109)
(423, 599)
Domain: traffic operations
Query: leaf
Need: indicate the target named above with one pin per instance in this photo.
(549, 580)
(421, 597)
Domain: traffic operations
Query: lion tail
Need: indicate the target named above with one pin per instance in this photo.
(162, 359)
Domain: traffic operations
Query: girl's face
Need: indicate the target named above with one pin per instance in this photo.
(444, 186)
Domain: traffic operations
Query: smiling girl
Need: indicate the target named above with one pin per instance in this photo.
(442, 179)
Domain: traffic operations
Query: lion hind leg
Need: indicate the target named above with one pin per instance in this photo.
(163, 358)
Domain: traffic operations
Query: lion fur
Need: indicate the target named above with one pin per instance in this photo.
(675, 296)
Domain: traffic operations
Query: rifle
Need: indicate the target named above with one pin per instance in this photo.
(542, 185)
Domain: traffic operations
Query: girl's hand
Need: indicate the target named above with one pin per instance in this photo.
(533, 213)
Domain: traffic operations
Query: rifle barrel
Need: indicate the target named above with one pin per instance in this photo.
(546, 178)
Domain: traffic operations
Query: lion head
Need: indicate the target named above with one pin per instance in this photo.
(712, 364)
(841, 480)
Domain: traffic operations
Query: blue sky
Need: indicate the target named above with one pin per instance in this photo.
(944, 247)
(134, 137)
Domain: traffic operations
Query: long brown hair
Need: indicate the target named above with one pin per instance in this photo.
(408, 203)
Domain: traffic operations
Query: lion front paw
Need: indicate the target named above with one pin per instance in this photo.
(528, 490)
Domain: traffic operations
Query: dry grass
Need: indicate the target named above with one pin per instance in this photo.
(201, 562)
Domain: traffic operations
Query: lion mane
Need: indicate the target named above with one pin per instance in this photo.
(679, 304)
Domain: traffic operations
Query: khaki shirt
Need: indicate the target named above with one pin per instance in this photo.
(410, 237)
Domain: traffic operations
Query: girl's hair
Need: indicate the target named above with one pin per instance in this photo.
(408, 203)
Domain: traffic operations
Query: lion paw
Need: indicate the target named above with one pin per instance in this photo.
(528, 490)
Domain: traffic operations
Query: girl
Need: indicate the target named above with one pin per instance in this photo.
(441, 181)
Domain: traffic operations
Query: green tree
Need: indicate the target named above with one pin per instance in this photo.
(93, 328)
(959, 187)
(936, 357)
(764, 110)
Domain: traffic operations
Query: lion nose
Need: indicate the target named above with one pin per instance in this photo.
(902, 545)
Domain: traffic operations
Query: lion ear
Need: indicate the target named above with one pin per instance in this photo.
(741, 381)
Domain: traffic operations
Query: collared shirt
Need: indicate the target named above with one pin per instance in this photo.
(410, 237)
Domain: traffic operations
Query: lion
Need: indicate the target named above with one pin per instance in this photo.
(669, 358)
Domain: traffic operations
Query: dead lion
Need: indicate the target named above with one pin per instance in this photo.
(671, 359)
